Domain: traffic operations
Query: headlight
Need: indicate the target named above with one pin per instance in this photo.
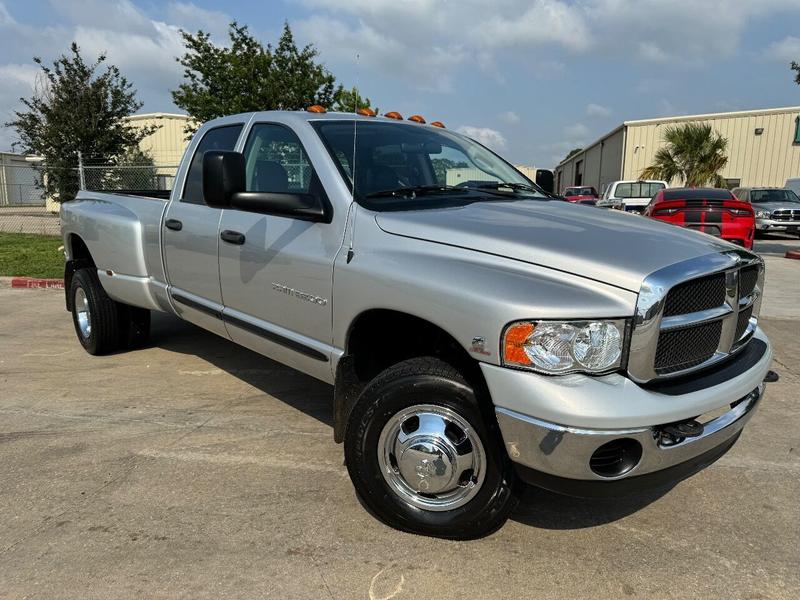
(565, 346)
(763, 214)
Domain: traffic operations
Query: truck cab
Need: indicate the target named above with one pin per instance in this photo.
(630, 196)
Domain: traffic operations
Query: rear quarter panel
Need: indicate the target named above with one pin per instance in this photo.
(122, 234)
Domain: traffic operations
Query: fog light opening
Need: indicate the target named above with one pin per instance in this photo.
(616, 457)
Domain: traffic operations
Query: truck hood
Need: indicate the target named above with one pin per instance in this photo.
(608, 246)
(770, 206)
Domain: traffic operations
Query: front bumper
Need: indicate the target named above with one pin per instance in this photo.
(575, 415)
(567, 451)
(772, 225)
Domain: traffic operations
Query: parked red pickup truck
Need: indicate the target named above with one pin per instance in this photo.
(713, 211)
(581, 195)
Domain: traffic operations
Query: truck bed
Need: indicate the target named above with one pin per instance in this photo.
(123, 234)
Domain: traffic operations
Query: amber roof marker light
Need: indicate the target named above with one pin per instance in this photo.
(366, 112)
(316, 108)
(393, 115)
(417, 119)
(438, 124)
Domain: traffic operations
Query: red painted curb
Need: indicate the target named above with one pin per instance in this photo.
(793, 254)
(37, 283)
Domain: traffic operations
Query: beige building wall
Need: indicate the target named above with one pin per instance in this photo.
(167, 143)
(768, 159)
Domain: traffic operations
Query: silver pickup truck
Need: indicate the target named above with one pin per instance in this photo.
(477, 331)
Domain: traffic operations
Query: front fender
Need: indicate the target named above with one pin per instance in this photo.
(470, 295)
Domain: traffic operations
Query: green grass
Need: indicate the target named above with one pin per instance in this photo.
(23, 254)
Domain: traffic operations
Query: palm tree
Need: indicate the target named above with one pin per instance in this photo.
(693, 152)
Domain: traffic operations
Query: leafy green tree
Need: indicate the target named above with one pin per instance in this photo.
(77, 107)
(248, 76)
(572, 153)
(796, 68)
(694, 153)
(442, 165)
(133, 170)
(351, 100)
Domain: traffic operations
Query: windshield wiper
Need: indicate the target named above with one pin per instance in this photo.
(415, 190)
(517, 187)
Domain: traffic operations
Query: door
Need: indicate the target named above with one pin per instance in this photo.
(276, 272)
(191, 240)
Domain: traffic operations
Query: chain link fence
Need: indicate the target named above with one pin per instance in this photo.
(26, 208)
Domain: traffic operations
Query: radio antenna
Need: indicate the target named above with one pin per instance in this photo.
(353, 203)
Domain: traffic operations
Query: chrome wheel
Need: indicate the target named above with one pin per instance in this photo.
(431, 457)
(84, 316)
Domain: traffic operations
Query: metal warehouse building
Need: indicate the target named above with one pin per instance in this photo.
(763, 149)
(167, 143)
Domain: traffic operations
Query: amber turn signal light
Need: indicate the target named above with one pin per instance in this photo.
(416, 119)
(366, 112)
(514, 343)
(393, 115)
(438, 124)
(316, 108)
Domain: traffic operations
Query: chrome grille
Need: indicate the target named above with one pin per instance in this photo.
(695, 295)
(786, 214)
(743, 321)
(680, 349)
(694, 314)
(748, 278)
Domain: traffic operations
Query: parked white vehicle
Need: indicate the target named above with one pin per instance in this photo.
(630, 196)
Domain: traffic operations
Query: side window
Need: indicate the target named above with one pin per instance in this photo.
(276, 161)
(220, 138)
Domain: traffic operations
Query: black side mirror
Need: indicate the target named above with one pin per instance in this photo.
(223, 176)
(305, 207)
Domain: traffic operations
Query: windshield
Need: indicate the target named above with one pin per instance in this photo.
(403, 167)
(637, 189)
(762, 196)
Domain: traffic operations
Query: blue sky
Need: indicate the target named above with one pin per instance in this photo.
(530, 78)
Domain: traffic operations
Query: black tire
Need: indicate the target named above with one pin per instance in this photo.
(426, 381)
(103, 316)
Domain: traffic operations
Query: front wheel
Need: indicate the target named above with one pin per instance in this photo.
(422, 457)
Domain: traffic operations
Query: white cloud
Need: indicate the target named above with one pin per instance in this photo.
(143, 48)
(576, 132)
(678, 34)
(490, 138)
(785, 50)
(19, 74)
(428, 67)
(597, 110)
(192, 18)
(509, 117)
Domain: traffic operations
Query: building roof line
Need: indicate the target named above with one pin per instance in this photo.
(157, 115)
(733, 114)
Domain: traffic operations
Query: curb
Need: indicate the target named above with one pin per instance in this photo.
(30, 283)
(792, 254)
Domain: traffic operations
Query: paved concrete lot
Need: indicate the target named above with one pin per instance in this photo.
(195, 469)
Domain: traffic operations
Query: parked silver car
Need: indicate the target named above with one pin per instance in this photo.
(777, 209)
(475, 335)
